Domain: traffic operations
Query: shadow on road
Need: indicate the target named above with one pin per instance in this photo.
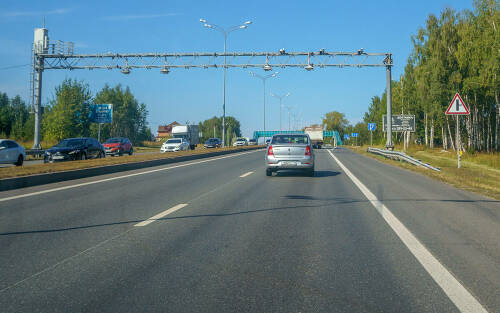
(326, 203)
(291, 173)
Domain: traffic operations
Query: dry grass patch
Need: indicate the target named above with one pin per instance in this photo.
(7, 172)
(479, 172)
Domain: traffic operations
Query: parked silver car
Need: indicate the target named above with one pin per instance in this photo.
(290, 152)
(11, 152)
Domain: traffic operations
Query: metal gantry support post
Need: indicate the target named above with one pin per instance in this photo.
(38, 100)
(388, 61)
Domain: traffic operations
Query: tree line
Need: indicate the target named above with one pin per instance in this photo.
(212, 128)
(68, 114)
(454, 52)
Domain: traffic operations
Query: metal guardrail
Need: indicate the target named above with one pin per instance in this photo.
(35, 152)
(402, 157)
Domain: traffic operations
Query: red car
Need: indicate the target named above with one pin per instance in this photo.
(118, 146)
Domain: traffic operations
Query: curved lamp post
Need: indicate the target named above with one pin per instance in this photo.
(225, 32)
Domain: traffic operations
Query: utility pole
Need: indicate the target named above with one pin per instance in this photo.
(264, 78)
(281, 98)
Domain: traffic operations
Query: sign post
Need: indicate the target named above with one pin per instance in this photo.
(371, 128)
(355, 135)
(457, 107)
(101, 113)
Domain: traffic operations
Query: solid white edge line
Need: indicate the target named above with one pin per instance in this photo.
(457, 293)
(160, 215)
(120, 177)
(246, 174)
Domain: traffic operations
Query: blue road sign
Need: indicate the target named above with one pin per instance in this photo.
(354, 135)
(371, 126)
(346, 137)
(101, 113)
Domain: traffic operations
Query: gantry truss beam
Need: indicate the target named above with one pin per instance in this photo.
(166, 61)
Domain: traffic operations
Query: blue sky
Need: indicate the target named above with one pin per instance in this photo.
(195, 95)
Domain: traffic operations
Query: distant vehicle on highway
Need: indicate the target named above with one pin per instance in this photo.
(316, 135)
(75, 149)
(118, 146)
(240, 142)
(252, 142)
(213, 143)
(189, 133)
(175, 144)
(11, 152)
(290, 152)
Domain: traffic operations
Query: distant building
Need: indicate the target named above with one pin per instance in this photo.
(165, 131)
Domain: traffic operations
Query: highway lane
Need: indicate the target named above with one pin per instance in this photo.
(252, 243)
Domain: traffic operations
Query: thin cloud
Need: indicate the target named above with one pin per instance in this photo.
(36, 13)
(137, 16)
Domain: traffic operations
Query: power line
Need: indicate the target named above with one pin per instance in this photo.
(14, 66)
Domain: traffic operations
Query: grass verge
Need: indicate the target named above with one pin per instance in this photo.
(479, 172)
(8, 172)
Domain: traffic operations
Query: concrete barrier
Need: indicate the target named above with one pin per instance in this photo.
(48, 178)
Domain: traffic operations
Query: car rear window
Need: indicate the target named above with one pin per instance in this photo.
(291, 139)
(70, 143)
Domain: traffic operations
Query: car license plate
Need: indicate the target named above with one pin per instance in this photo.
(288, 163)
(58, 157)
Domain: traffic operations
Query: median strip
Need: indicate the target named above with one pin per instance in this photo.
(160, 215)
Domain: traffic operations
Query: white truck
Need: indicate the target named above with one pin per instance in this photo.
(188, 132)
(316, 135)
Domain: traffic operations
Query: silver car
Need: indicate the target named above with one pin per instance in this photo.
(11, 152)
(290, 152)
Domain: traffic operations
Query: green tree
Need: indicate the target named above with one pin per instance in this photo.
(233, 128)
(335, 121)
(68, 115)
(129, 117)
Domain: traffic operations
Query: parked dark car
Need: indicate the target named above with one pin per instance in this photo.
(75, 149)
(118, 146)
(213, 143)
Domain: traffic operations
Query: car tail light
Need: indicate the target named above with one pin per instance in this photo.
(270, 150)
(308, 150)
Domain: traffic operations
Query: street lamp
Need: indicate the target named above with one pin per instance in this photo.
(225, 32)
(281, 98)
(289, 108)
(264, 78)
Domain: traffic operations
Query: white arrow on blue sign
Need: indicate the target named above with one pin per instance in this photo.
(371, 126)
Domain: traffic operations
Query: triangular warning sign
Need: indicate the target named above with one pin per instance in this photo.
(457, 106)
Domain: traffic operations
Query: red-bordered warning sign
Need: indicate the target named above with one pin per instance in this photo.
(457, 106)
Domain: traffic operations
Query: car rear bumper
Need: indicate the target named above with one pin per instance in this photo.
(276, 164)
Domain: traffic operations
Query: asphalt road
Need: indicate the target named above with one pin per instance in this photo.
(217, 235)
